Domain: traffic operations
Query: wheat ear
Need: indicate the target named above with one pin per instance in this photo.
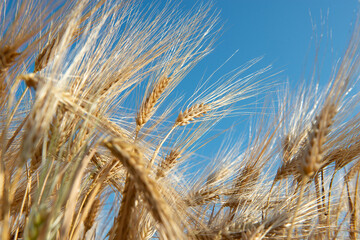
(8, 56)
(140, 174)
(147, 108)
(167, 163)
(91, 217)
(313, 157)
(184, 118)
(189, 115)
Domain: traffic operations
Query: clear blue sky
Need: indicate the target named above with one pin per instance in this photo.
(282, 31)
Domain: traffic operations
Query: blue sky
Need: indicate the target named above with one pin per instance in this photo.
(286, 33)
(282, 31)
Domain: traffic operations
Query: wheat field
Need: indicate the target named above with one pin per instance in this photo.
(94, 144)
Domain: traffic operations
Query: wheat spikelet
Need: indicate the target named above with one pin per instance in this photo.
(3, 89)
(48, 51)
(39, 120)
(44, 56)
(233, 231)
(342, 155)
(189, 115)
(202, 196)
(290, 167)
(292, 146)
(148, 230)
(167, 163)
(244, 183)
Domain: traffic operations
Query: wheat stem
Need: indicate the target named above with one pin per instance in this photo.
(297, 207)
(156, 152)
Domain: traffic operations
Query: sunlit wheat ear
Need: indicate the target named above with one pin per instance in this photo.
(190, 114)
(44, 56)
(129, 157)
(202, 196)
(18, 43)
(8, 56)
(91, 217)
(39, 120)
(347, 144)
(147, 107)
(183, 119)
(148, 230)
(292, 153)
(211, 190)
(313, 158)
(167, 163)
(342, 155)
(303, 149)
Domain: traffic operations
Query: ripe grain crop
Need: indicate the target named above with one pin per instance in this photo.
(95, 145)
